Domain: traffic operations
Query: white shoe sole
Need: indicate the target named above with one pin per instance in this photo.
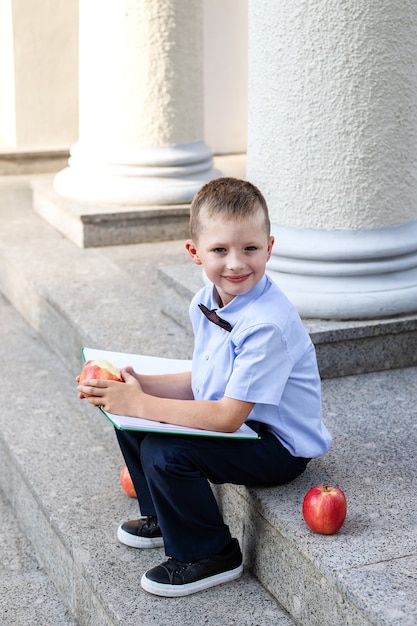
(176, 591)
(134, 541)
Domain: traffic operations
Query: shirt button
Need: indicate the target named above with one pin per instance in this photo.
(207, 356)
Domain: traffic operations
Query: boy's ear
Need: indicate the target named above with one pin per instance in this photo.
(192, 251)
(270, 246)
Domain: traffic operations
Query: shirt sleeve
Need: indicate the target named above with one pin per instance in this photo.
(262, 366)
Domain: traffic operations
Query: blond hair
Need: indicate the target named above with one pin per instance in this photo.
(229, 198)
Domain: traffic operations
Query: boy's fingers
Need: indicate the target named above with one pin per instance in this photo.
(128, 374)
(90, 391)
(96, 383)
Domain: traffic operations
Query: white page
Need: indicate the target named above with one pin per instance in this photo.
(155, 365)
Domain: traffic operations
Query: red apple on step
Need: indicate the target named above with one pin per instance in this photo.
(126, 482)
(324, 509)
(99, 370)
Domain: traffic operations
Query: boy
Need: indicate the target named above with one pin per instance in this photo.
(255, 363)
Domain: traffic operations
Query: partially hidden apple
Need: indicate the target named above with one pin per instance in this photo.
(99, 370)
(126, 482)
(324, 509)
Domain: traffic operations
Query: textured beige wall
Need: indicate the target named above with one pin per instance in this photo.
(225, 75)
(38, 72)
(7, 101)
(333, 111)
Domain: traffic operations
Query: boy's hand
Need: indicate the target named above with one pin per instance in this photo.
(113, 396)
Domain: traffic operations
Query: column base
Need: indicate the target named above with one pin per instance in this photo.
(160, 175)
(344, 274)
(89, 224)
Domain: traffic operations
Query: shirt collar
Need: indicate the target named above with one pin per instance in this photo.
(238, 302)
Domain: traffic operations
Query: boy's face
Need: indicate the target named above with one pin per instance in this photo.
(232, 252)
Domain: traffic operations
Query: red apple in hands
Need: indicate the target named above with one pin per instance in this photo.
(126, 482)
(324, 509)
(99, 370)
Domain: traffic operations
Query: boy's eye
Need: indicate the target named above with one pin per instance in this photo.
(219, 250)
(250, 248)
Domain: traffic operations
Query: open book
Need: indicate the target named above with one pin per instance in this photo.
(155, 365)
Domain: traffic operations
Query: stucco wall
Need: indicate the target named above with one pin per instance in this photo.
(38, 72)
(225, 75)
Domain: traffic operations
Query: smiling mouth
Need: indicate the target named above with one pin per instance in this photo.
(237, 279)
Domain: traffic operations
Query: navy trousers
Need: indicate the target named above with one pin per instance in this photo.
(171, 475)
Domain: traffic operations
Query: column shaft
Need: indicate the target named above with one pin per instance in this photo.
(141, 114)
(332, 141)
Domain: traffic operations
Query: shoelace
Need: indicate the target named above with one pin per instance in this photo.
(151, 521)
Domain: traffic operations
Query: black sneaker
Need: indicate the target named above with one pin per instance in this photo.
(173, 578)
(141, 533)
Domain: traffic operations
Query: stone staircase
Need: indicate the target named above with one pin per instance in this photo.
(28, 595)
(59, 463)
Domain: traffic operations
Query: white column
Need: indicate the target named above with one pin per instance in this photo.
(141, 104)
(332, 142)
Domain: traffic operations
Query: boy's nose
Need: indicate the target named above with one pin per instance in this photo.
(235, 262)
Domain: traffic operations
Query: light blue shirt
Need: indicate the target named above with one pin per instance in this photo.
(268, 358)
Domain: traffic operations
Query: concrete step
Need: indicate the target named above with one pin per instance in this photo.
(111, 298)
(27, 594)
(90, 225)
(36, 161)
